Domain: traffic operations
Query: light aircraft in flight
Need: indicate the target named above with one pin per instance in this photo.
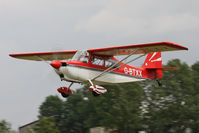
(97, 67)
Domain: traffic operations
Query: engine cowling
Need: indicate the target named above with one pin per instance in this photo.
(65, 92)
(97, 89)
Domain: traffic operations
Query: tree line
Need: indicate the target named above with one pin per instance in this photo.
(5, 127)
(172, 107)
(131, 107)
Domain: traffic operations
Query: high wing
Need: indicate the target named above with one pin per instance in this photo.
(130, 50)
(140, 49)
(109, 51)
(47, 56)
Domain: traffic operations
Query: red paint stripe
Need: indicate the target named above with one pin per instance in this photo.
(170, 44)
(96, 67)
(101, 88)
(43, 53)
(98, 92)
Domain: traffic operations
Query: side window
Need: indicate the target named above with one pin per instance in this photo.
(97, 61)
(84, 59)
(110, 62)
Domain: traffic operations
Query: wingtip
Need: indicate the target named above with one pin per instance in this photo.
(178, 45)
(11, 55)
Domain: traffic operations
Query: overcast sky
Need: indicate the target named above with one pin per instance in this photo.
(47, 25)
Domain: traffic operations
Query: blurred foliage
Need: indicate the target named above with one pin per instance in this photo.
(4, 127)
(132, 107)
(174, 106)
(46, 125)
(117, 109)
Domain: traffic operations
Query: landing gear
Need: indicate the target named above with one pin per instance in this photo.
(64, 95)
(65, 92)
(96, 89)
(95, 94)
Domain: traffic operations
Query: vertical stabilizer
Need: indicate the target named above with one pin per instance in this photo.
(153, 65)
(153, 61)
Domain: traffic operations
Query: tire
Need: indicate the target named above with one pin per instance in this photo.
(64, 95)
(95, 94)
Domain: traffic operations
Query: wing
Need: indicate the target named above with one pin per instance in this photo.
(110, 51)
(141, 49)
(47, 56)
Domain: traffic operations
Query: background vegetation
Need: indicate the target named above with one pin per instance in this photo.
(128, 108)
(132, 107)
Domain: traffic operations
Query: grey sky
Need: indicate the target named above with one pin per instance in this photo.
(47, 25)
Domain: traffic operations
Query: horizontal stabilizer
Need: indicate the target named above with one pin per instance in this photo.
(170, 68)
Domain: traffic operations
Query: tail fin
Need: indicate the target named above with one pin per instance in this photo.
(153, 65)
(153, 61)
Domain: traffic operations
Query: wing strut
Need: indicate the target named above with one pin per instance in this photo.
(128, 62)
(115, 64)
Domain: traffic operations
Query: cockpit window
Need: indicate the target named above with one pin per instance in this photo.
(97, 60)
(82, 56)
(84, 59)
(110, 62)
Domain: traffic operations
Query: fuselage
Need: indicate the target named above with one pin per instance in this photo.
(82, 72)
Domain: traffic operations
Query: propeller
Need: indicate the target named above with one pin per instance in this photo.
(56, 64)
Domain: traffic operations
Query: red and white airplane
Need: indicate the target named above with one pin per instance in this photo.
(99, 66)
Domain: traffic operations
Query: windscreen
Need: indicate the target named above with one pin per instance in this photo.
(81, 56)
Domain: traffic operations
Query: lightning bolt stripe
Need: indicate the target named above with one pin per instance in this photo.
(154, 54)
(159, 59)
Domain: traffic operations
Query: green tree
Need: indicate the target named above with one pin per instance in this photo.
(194, 100)
(170, 107)
(75, 114)
(118, 109)
(4, 127)
(52, 107)
(46, 125)
(130, 107)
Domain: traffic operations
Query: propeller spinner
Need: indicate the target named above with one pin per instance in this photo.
(56, 64)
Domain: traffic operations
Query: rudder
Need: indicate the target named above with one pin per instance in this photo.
(153, 61)
(153, 65)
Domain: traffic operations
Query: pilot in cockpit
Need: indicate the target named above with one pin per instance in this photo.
(85, 59)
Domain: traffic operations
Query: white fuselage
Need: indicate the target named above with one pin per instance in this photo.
(82, 74)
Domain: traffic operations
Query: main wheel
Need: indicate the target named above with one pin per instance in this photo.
(64, 95)
(95, 94)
